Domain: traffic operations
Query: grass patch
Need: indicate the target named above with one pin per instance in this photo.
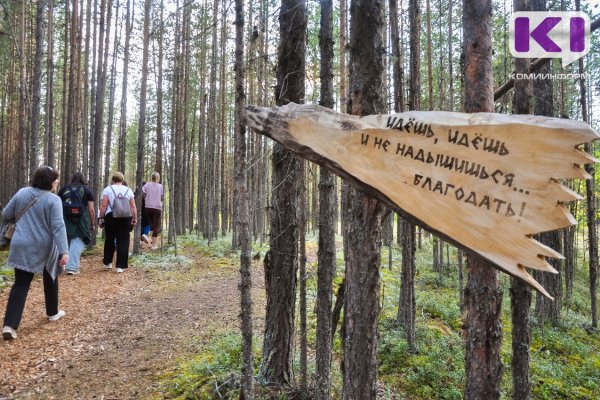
(565, 359)
(156, 261)
(212, 372)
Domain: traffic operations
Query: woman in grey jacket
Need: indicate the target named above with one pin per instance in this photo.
(40, 236)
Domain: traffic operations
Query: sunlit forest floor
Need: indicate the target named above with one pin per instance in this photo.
(168, 328)
(122, 332)
(565, 359)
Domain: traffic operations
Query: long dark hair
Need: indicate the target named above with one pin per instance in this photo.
(78, 179)
(43, 178)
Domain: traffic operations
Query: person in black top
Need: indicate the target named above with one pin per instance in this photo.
(79, 215)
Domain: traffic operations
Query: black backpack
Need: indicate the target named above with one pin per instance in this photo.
(73, 205)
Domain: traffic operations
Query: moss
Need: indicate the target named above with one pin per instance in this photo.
(212, 372)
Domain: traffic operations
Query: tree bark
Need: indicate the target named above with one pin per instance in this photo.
(72, 106)
(450, 48)
(407, 305)
(158, 166)
(483, 297)
(123, 117)
(520, 299)
(545, 308)
(49, 122)
(21, 165)
(111, 99)
(241, 204)
(362, 229)
(590, 200)
(281, 264)
(139, 171)
(429, 60)
(105, 6)
(37, 83)
(326, 253)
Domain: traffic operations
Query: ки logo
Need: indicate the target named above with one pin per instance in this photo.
(536, 34)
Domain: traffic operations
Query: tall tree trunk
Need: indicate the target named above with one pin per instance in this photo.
(241, 204)
(342, 55)
(363, 227)
(105, 6)
(302, 274)
(37, 85)
(65, 89)
(92, 110)
(326, 253)
(211, 147)
(545, 308)
(123, 117)
(450, 48)
(85, 109)
(49, 122)
(398, 76)
(223, 89)
(396, 56)
(407, 305)
(590, 200)
(281, 263)
(483, 297)
(21, 165)
(429, 58)
(520, 298)
(139, 174)
(158, 166)
(111, 99)
(70, 164)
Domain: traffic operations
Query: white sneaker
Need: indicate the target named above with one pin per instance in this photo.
(9, 333)
(145, 239)
(69, 272)
(108, 266)
(120, 270)
(58, 316)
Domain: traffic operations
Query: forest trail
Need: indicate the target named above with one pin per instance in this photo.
(121, 331)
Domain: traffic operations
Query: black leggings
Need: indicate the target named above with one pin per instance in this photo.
(18, 295)
(116, 229)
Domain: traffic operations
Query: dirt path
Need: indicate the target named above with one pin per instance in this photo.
(121, 331)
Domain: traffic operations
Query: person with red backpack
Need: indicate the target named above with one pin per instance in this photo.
(117, 213)
(79, 215)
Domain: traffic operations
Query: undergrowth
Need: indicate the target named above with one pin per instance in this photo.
(565, 359)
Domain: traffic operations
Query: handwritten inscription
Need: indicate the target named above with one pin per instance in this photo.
(477, 142)
(479, 200)
(445, 160)
(410, 126)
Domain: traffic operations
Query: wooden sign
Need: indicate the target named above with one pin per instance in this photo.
(487, 182)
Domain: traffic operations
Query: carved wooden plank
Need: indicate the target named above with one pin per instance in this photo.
(486, 182)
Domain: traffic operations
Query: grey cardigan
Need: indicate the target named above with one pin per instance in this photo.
(38, 231)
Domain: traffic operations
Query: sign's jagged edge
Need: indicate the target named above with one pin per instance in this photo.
(272, 122)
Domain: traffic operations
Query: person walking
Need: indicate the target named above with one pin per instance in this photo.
(78, 212)
(153, 194)
(39, 243)
(117, 214)
(145, 225)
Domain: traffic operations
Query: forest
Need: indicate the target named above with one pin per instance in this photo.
(356, 301)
